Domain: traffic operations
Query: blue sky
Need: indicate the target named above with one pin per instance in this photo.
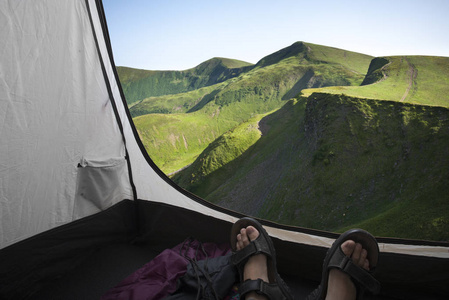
(180, 34)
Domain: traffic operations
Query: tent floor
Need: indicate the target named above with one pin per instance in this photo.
(108, 266)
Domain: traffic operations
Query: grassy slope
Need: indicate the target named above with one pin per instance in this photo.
(225, 105)
(333, 161)
(378, 165)
(177, 103)
(222, 151)
(429, 85)
(356, 62)
(178, 138)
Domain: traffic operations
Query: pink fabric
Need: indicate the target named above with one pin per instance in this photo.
(157, 279)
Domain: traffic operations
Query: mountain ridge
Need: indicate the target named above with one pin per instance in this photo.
(140, 84)
(228, 103)
(292, 50)
(307, 73)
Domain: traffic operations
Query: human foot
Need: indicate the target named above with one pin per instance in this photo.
(340, 285)
(254, 256)
(348, 267)
(256, 266)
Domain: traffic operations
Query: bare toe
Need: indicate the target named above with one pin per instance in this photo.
(363, 255)
(240, 245)
(356, 255)
(252, 233)
(348, 247)
(366, 264)
(244, 238)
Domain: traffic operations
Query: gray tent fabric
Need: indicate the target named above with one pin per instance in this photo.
(99, 185)
(75, 177)
(55, 113)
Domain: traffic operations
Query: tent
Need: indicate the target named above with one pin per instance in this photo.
(81, 203)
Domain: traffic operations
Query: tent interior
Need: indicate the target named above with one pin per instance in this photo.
(83, 206)
(85, 259)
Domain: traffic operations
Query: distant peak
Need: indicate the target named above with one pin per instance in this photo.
(221, 62)
(292, 50)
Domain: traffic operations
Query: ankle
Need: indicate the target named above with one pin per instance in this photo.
(256, 268)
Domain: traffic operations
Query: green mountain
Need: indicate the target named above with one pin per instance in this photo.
(261, 89)
(139, 84)
(293, 68)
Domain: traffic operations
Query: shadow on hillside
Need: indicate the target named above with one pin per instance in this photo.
(206, 99)
(349, 161)
(302, 83)
(208, 186)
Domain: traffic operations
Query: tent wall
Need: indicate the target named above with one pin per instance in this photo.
(61, 141)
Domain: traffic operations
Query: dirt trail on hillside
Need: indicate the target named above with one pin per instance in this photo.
(384, 73)
(413, 73)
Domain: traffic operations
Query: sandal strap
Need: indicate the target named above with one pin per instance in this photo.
(257, 246)
(361, 276)
(270, 290)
